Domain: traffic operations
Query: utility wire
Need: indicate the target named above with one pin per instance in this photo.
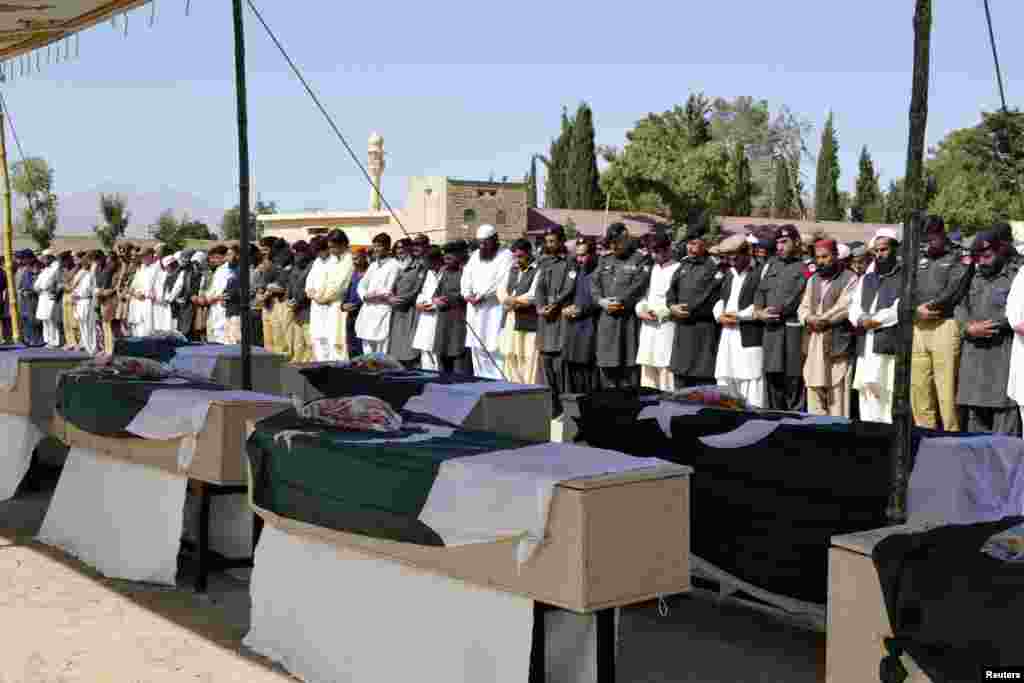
(28, 167)
(995, 55)
(351, 153)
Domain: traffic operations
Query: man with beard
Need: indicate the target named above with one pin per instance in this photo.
(874, 311)
(579, 342)
(554, 292)
(618, 285)
(450, 307)
(486, 271)
(352, 303)
(374, 322)
(320, 290)
(338, 282)
(988, 341)
(404, 312)
(778, 297)
(518, 296)
(739, 363)
(824, 311)
(198, 284)
(691, 300)
(941, 283)
(84, 311)
(298, 345)
(106, 297)
(46, 285)
(213, 295)
(859, 258)
(425, 334)
(657, 329)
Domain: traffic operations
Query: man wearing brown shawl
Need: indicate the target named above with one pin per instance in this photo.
(824, 312)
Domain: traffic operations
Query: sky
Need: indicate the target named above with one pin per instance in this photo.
(469, 89)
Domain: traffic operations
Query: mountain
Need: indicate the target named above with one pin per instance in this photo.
(80, 211)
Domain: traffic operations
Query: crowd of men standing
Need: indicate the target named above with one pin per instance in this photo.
(790, 324)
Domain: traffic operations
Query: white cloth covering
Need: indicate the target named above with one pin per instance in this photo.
(753, 431)
(374, 320)
(326, 630)
(202, 359)
(20, 437)
(964, 480)
(484, 498)
(664, 411)
(10, 360)
(178, 413)
(656, 339)
(454, 402)
(123, 519)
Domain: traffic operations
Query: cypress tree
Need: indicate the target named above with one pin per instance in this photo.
(583, 190)
(555, 187)
(697, 123)
(826, 190)
(531, 185)
(783, 198)
(744, 189)
(867, 195)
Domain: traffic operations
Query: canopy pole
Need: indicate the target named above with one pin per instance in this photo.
(243, 194)
(903, 416)
(8, 244)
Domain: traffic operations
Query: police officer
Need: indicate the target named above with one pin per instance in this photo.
(554, 292)
(691, 300)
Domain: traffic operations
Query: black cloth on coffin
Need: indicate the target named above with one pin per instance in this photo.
(765, 513)
(394, 388)
(953, 608)
(160, 349)
(106, 405)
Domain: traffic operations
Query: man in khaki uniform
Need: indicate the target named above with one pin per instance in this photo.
(942, 281)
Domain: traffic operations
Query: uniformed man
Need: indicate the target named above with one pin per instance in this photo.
(941, 283)
(988, 339)
(1003, 234)
(778, 298)
(404, 315)
(691, 299)
(579, 338)
(554, 293)
(518, 296)
(617, 286)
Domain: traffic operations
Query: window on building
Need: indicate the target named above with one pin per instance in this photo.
(500, 218)
(469, 216)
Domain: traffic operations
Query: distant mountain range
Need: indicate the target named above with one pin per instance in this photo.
(80, 211)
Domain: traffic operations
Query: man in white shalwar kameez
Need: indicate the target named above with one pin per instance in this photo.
(373, 325)
(217, 318)
(657, 331)
(739, 367)
(83, 304)
(488, 268)
(140, 310)
(163, 312)
(330, 271)
(426, 325)
(47, 306)
(338, 285)
(875, 306)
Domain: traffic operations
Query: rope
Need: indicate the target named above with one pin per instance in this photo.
(330, 121)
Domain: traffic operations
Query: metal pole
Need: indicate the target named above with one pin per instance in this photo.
(8, 244)
(903, 416)
(243, 193)
(995, 55)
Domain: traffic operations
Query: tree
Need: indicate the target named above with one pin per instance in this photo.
(570, 229)
(783, 198)
(555, 186)
(894, 202)
(115, 220)
(174, 233)
(166, 228)
(826, 191)
(868, 193)
(531, 184)
(582, 188)
(977, 184)
(32, 178)
(743, 185)
(230, 224)
(698, 122)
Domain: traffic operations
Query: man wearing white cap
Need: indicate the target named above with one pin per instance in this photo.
(487, 270)
(46, 285)
(167, 294)
(82, 301)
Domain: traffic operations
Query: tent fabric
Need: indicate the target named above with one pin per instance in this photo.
(107, 405)
(396, 388)
(954, 609)
(359, 482)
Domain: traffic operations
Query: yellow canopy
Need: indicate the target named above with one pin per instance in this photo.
(27, 25)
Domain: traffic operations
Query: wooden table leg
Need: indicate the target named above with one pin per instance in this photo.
(538, 656)
(606, 646)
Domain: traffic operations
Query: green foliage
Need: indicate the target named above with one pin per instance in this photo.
(827, 204)
(977, 184)
(32, 178)
(570, 229)
(230, 224)
(531, 185)
(175, 233)
(115, 220)
(698, 123)
(783, 199)
(742, 121)
(869, 196)
(555, 185)
(744, 188)
(582, 186)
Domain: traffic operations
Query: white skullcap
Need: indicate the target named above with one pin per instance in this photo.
(843, 252)
(199, 257)
(168, 260)
(752, 238)
(486, 230)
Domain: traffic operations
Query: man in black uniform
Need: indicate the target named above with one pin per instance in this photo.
(579, 340)
(554, 292)
(619, 283)
(778, 298)
(691, 299)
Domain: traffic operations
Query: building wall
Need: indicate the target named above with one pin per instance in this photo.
(426, 207)
(503, 205)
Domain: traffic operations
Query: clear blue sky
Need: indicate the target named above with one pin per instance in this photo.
(466, 89)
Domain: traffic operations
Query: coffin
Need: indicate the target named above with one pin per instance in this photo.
(530, 405)
(219, 448)
(612, 540)
(858, 622)
(35, 391)
(223, 365)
